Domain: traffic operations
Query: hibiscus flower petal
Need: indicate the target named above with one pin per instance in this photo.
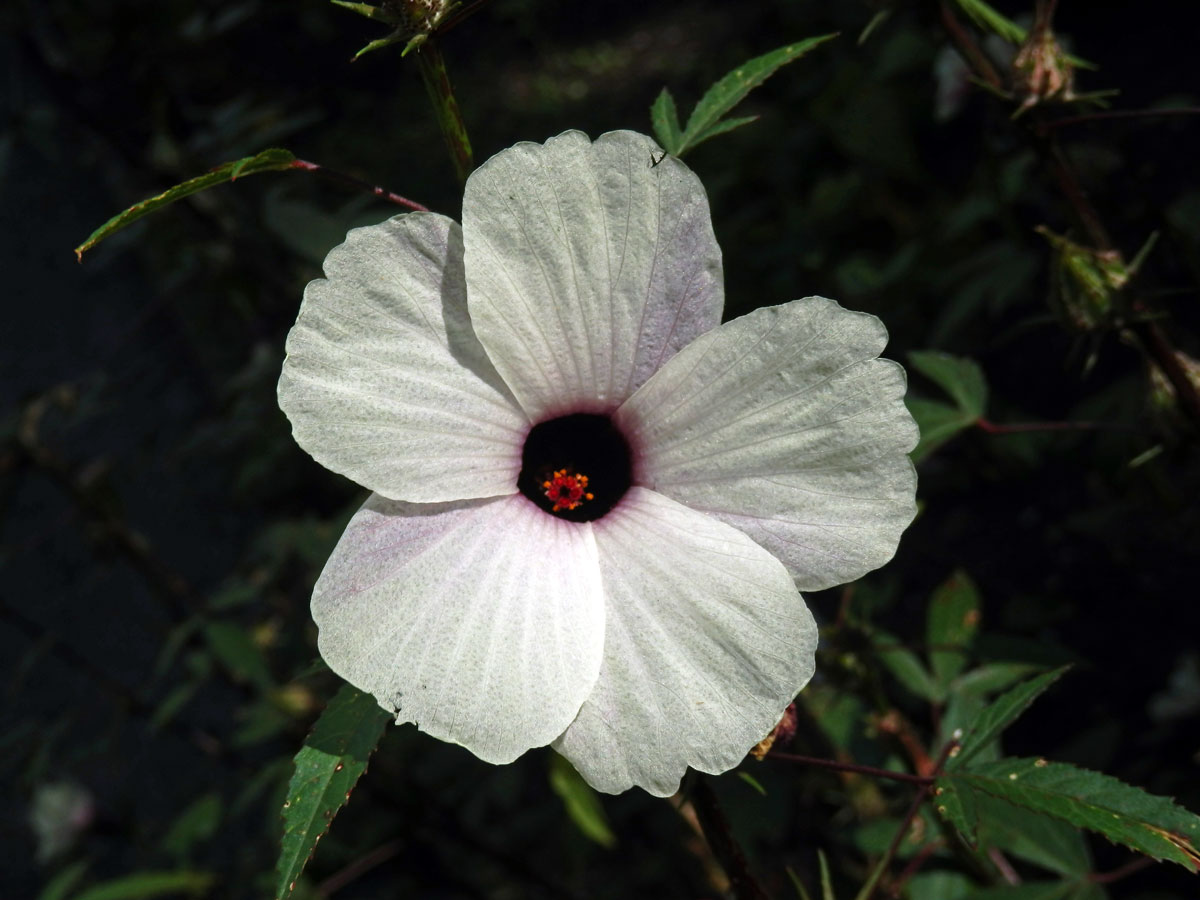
(784, 424)
(482, 622)
(706, 642)
(589, 265)
(384, 380)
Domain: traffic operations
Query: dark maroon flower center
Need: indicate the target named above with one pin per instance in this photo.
(577, 467)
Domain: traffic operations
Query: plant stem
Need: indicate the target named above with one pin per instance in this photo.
(1124, 871)
(923, 794)
(1018, 427)
(851, 767)
(343, 178)
(1153, 338)
(445, 107)
(724, 846)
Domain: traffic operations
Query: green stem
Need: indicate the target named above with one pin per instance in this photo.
(445, 107)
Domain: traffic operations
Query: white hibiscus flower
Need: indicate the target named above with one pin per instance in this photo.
(594, 505)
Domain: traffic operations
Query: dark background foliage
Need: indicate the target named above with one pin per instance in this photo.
(161, 531)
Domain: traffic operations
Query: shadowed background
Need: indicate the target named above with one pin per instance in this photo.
(161, 531)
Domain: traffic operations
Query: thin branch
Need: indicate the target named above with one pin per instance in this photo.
(970, 49)
(1020, 427)
(1135, 865)
(445, 107)
(851, 767)
(343, 178)
(922, 795)
(359, 867)
(1153, 338)
(914, 866)
(724, 846)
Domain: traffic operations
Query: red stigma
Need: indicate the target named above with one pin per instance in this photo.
(566, 490)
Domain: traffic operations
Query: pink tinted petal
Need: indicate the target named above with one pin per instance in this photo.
(784, 424)
(588, 267)
(384, 381)
(707, 641)
(481, 621)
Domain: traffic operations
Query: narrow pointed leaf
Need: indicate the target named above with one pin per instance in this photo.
(327, 768)
(723, 126)
(1155, 826)
(582, 804)
(273, 160)
(365, 9)
(797, 884)
(986, 17)
(907, 667)
(952, 621)
(665, 120)
(992, 677)
(1005, 710)
(733, 88)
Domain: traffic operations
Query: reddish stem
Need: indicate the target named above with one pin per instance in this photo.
(1135, 865)
(1018, 427)
(350, 180)
(851, 767)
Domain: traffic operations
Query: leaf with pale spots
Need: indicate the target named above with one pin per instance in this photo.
(273, 160)
(1005, 710)
(327, 768)
(1125, 814)
(706, 119)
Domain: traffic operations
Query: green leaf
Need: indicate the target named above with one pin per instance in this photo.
(797, 884)
(1003, 712)
(273, 160)
(941, 885)
(378, 14)
(958, 376)
(1044, 841)
(58, 887)
(327, 768)
(992, 677)
(196, 824)
(149, 884)
(951, 624)
(826, 878)
(937, 422)
(729, 91)
(723, 126)
(1152, 825)
(237, 652)
(986, 17)
(958, 807)
(665, 120)
(583, 806)
(753, 782)
(907, 667)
